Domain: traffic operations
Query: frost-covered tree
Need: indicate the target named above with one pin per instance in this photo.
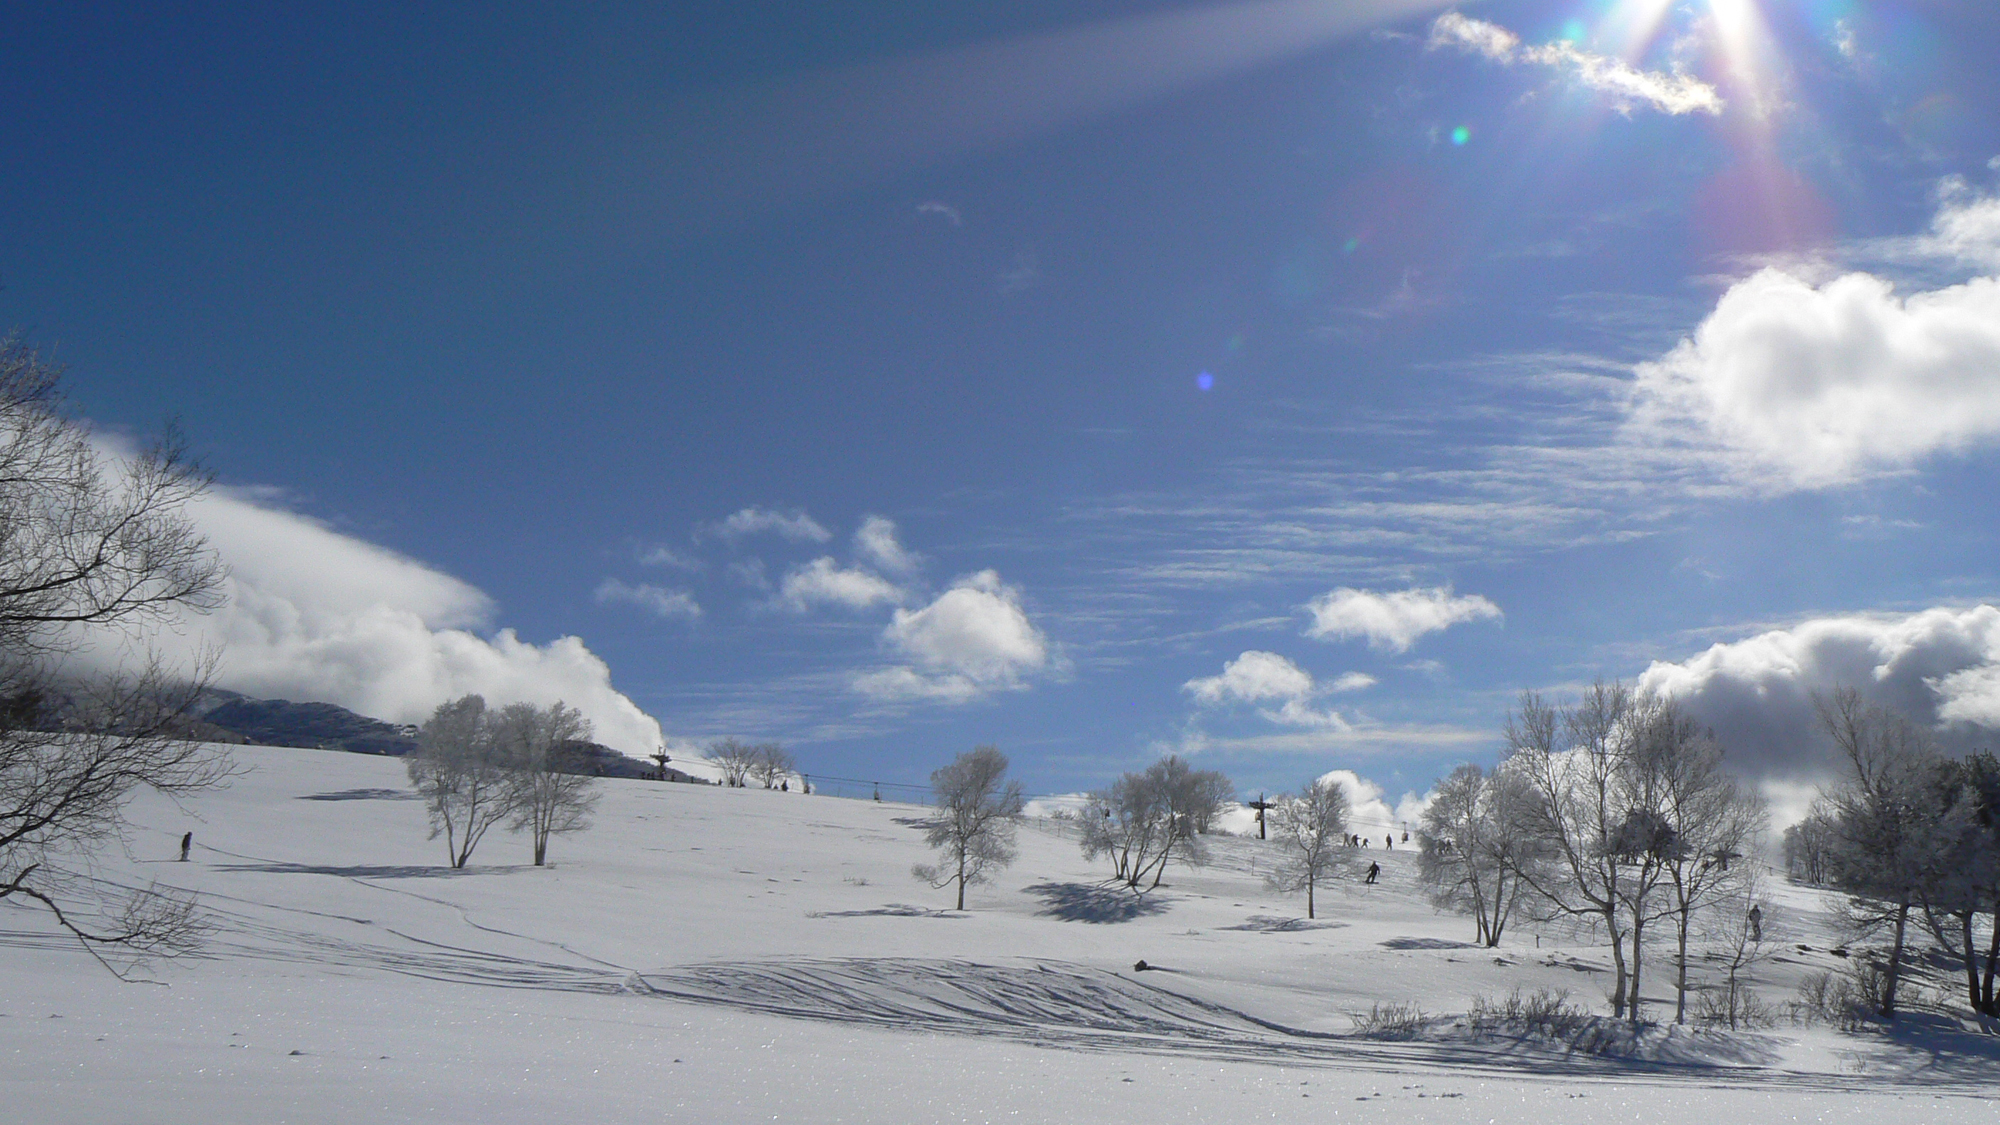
(1888, 824)
(1710, 826)
(548, 792)
(89, 545)
(1573, 763)
(973, 827)
(462, 775)
(1808, 845)
(1146, 819)
(771, 763)
(1311, 828)
(1473, 843)
(1967, 889)
(736, 759)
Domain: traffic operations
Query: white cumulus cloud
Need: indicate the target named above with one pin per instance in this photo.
(825, 582)
(1257, 677)
(1626, 85)
(1941, 667)
(972, 640)
(875, 541)
(1369, 812)
(1967, 224)
(1393, 621)
(1821, 385)
(657, 600)
(795, 526)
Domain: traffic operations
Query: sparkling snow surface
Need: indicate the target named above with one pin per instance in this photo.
(718, 955)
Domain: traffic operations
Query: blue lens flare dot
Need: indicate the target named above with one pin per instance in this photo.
(1460, 135)
(1204, 380)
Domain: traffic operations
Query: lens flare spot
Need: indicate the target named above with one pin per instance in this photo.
(1205, 381)
(1351, 245)
(1460, 135)
(1573, 31)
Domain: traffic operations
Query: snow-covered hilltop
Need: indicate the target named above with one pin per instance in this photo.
(718, 954)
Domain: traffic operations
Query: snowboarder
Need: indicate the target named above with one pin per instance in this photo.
(1756, 921)
(1389, 842)
(1374, 870)
(187, 841)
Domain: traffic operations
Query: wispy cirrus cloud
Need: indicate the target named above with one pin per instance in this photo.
(1626, 85)
(657, 600)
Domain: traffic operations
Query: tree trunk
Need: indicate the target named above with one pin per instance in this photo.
(1617, 962)
(1638, 934)
(1971, 960)
(1309, 895)
(1895, 963)
(1992, 957)
(1681, 968)
(961, 881)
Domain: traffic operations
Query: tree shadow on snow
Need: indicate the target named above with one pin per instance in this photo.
(362, 795)
(366, 870)
(1426, 943)
(893, 910)
(1088, 902)
(1282, 924)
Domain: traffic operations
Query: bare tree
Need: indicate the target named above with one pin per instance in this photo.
(974, 824)
(770, 763)
(549, 793)
(1473, 844)
(92, 545)
(1745, 928)
(1310, 827)
(462, 775)
(734, 758)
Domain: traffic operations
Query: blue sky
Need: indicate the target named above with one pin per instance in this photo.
(1288, 384)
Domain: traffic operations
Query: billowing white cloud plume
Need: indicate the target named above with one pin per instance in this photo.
(1941, 667)
(795, 526)
(972, 640)
(317, 615)
(825, 582)
(657, 600)
(875, 541)
(1369, 812)
(1393, 621)
(1822, 385)
(1967, 224)
(1267, 678)
(1625, 84)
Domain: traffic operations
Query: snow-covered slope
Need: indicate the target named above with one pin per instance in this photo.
(711, 954)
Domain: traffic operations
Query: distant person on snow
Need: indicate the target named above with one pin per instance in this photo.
(1374, 870)
(187, 841)
(1389, 842)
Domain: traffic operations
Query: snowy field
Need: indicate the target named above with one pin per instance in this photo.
(724, 955)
